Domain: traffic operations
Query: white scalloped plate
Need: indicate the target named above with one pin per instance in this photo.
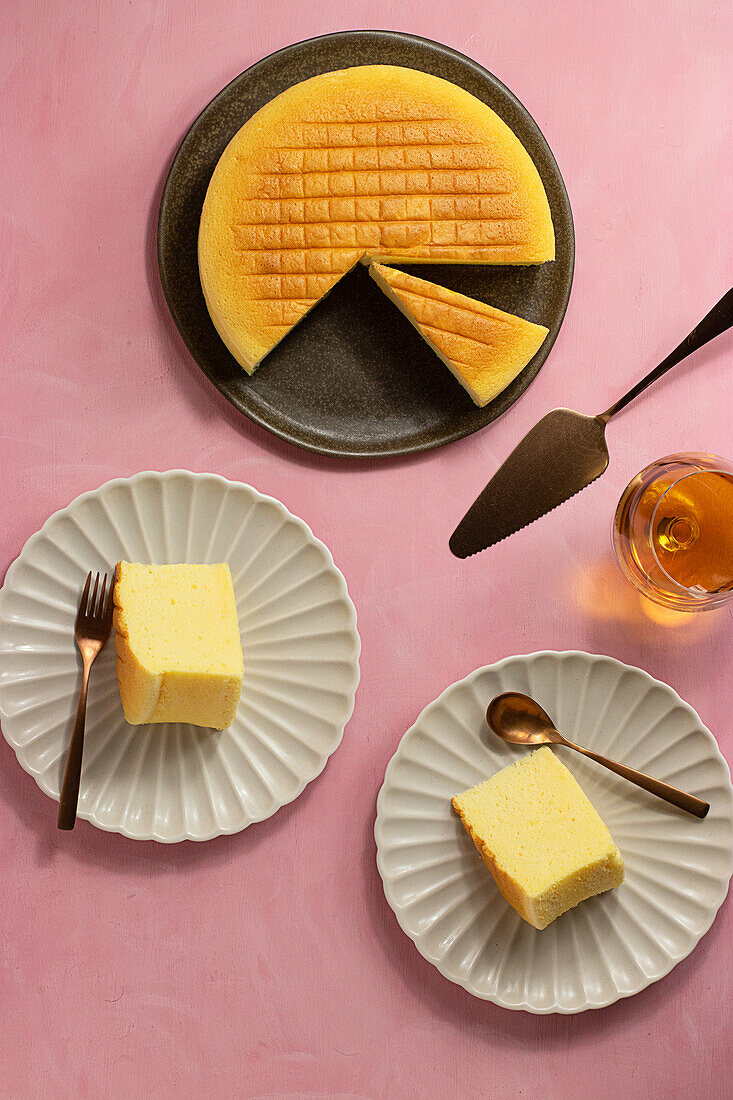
(173, 782)
(612, 946)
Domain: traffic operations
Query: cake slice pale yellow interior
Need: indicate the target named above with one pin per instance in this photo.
(179, 651)
(543, 841)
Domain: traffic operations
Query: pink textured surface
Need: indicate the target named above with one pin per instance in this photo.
(268, 964)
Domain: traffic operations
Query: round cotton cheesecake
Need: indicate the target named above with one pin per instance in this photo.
(377, 162)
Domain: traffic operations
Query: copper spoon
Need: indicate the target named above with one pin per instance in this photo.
(520, 720)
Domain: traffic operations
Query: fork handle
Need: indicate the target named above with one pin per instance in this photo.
(713, 324)
(72, 775)
(663, 790)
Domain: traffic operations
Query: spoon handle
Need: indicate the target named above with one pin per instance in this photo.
(677, 797)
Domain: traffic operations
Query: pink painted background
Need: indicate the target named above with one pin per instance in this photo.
(268, 964)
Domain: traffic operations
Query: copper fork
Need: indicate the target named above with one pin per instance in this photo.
(91, 631)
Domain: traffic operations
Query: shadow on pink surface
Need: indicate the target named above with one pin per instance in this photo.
(116, 853)
(619, 621)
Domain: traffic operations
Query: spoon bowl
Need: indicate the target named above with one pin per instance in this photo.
(520, 720)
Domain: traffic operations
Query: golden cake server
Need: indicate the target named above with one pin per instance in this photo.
(562, 454)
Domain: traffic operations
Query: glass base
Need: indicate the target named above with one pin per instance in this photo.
(637, 525)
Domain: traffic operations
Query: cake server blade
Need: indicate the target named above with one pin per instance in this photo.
(562, 454)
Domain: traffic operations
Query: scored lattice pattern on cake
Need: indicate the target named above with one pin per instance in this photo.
(471, 333)
(327, 193)
(374, 162)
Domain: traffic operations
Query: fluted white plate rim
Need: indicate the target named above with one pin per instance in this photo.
(8, 719)
(401, 912)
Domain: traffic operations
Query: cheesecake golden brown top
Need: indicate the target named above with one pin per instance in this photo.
(485, 348)
(377, 162)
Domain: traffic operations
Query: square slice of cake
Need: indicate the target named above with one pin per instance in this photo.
(540, 837)
(179, 652)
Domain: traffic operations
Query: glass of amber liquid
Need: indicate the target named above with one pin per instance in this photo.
(673, 532)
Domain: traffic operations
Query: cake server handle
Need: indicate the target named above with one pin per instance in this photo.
(682, 799)
(714, 323)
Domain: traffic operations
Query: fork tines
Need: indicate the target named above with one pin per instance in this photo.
(95, 610)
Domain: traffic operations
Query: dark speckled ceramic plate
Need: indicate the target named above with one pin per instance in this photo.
(354, 378)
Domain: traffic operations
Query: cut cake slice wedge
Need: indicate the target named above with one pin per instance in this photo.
(539, 835)
(483, 347)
